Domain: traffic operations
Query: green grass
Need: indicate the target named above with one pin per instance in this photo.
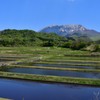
(50, 55)
(54, 79)
(40, 50)
(71, 61)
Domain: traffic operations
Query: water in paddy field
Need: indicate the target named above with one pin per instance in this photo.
(56, 72)
(65, 66)
(25, 90)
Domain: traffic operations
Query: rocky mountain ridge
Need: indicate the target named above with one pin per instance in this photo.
(70, 30)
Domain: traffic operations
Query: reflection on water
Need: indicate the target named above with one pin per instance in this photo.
(65, 66)
(56, 72)
(19, 90)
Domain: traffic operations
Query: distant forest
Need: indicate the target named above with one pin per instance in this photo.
(13, 38)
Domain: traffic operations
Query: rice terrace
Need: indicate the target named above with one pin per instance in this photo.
(50, 64)
(49, 49)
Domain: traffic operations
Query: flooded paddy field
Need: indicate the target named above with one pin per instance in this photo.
(95, 75)
(25, 90)
(65, 66)
(48, 57)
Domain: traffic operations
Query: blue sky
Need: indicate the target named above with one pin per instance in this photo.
(36, 14)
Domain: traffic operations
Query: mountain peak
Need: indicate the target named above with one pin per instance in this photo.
(63, 29)
(69, 30)
(67, 26)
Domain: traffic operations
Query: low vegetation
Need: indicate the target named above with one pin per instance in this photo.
(54, 79)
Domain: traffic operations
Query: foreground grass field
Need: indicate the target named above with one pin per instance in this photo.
(14, 57)
(4, 99)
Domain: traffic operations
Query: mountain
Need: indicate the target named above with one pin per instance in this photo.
(72, 31)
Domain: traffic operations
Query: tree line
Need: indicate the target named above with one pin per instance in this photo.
(12, 37)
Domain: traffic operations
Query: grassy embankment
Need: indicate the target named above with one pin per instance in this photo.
(54, 79)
